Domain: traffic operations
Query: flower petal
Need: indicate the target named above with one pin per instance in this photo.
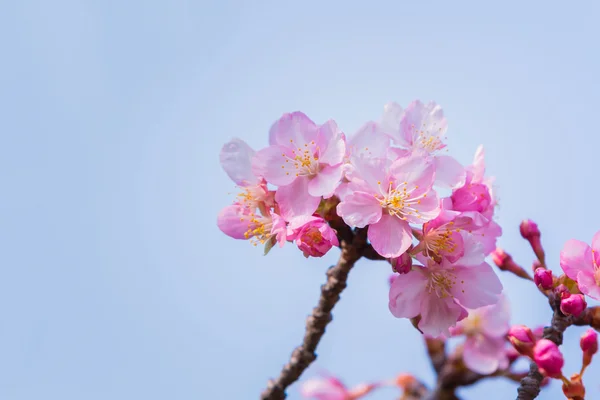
(359, 209)
(576, 256)
(438, 315)
(390, 236)
(296, 127)
(236, 160)
(496, 318)
(294, 200)
(326, 181)
(476, 286)
(596, 248)
(332, 143)
(587, 284)
(233, 221)
(368, 141)
(390, 124)
(418, 171)
(273, 164)
(449, 173)
(406, 293)
(483, 354)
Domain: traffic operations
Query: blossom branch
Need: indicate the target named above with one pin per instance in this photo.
(304, 355)
(529, 388)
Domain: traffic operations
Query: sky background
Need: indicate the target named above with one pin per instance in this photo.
(115, 281)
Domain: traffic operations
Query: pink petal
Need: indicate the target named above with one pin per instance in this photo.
(427, 209)
(596, 248)
(390, 236)
(496, 318)
(332, 143)
(476, 286)
(406, 293)
(587, 284)
(296, 127)
(390, 123)
(233, 222)
(323, 389)
(473, 251)
(236, 160)
(417, 171)
(369, 142)
(294, 200)
(478, 167)
(438, 315)
(576, 256)
(449, 172)
(483, 355)
(359, 209)
(427, 118)
(326, 181)
(372, 171)
(271, 164)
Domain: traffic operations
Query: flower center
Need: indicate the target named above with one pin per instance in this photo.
(305, 160)
(399, 201)
(427, 138)
(441, 282)
(440, 241)
(259, 229)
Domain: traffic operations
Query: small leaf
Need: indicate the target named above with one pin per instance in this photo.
(269, 245)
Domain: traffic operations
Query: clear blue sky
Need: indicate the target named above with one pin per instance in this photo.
(115, 281)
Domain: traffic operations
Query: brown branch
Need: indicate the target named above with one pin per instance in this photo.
(304, 355)
(436, 350)
(529, 388)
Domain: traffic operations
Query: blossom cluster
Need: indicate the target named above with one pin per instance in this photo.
(430, 216)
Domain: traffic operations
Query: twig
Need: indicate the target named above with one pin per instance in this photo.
(352, 248)
(436, 349)
(529, 388)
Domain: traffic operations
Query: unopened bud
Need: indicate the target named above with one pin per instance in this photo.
(530, 231)
(505, 263)
(548, 357)
(543, 278)
(522, 339)
(589, 346)
(573, 305)
(574, 389)
(402, 264)
(562, 291)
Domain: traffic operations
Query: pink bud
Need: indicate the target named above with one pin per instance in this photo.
(402, 264)
(538, 332)
(548, 358)
(522, 339)
(315, 238)
(505, 263)
(529, 229)
(543, 278)
(589, 341)
(472, 197)
(573, 305)
(512, 354)
(589, 345)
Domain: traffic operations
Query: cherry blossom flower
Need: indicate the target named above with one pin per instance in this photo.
(238, 222)
(331, 388)
(484, 349)
(304, 159)
(388, 198)
(440, 292)
(420, 129)
(312, 235)
(581, 262)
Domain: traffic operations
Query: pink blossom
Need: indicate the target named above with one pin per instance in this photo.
(548, 357)
(477, 192)
(484, 350)
(236, 159)
(239, 222)
(589, 341)
(305, 160)
(388, 198)
(312, 235)
(440, 291)
(542, 278)
(581, 263)
(522, 339)
(420, 129)
(443, 236)
(573, 305)
(402, 264)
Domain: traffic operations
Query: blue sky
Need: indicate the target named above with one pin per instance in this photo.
(115, 281)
